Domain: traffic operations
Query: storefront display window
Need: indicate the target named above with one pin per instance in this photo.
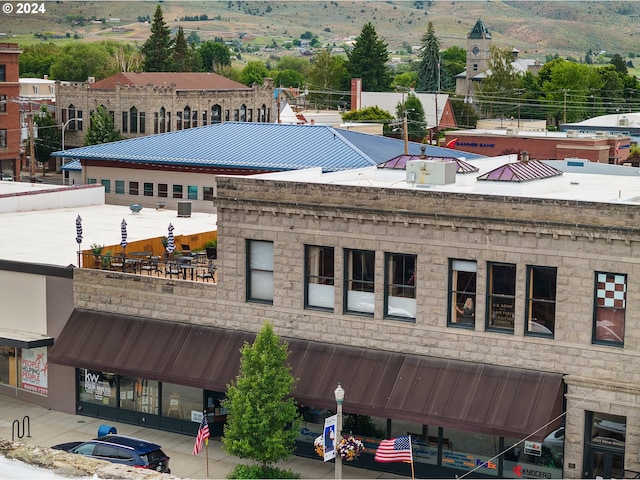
(501, 297)
(97, 388)
(529, 459)
(180, 402)
(139, 395)
(470, 451)
(24, 368)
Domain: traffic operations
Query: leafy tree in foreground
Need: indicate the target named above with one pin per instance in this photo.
(48, 136)
(263, 419)
(254, 72)
(368, 61)
(102, 128)
(416, 124)
(157, 48)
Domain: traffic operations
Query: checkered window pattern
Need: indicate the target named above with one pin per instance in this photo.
(611, 290)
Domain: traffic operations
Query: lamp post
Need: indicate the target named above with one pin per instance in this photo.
(339, 393)
(64, 126)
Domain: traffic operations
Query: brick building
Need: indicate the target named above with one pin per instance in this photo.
(150, 103)
(9, 108)
(600, 147)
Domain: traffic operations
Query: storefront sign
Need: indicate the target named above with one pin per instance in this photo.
(34, 369)
(93, 384)
(607, 441)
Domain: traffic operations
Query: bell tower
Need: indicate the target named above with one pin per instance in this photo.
(478, 44)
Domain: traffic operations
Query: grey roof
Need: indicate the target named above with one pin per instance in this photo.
(256, 146)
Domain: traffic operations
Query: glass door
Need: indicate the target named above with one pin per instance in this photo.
(604, 464)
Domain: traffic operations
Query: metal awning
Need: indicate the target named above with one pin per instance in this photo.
(433, 391)
(12, 338)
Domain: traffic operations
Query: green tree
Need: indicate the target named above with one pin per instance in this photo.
(429, 69)
(214, 56)
(157, 48)
(288, 78)
(453, 61)
(254, 72)
(368, 114)
(125, 58)
(406, 79)
(502, 82)
(620, 64)
(328, 76)
(102, 128)
(36, 60)
(368, 61)
(299, 64)
(413, 109)
(262, 419)
(49, 136)
(181, 60)
(79, 61)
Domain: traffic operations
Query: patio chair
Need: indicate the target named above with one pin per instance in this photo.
(171, 268)
(208, 273)
(152, 265)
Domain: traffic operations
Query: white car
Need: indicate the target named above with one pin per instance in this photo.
(8, 176)
(555, 439)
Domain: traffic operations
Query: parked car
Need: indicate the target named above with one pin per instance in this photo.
(8, 176)
(123, 450)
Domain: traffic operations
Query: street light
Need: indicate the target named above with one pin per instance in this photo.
(339, 393)
(64, 126)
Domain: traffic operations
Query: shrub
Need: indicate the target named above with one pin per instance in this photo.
(256, 471)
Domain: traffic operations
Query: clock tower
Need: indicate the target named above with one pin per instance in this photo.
(478, 43)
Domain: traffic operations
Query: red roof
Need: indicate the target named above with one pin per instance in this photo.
(181, 80)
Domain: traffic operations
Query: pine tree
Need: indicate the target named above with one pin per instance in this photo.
(181, 55)
(102, 128)
(368, 61)
(262, 419)
(157, 48)
(429, 68)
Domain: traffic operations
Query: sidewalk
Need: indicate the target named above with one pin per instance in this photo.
(50, 428)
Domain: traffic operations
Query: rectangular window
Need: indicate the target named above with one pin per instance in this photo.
(192, 192)
(207, 193)
(119, 187)
(148, 189)
(260, 271)
(250, 115)
(226, 115)
(319, 277)
(163, 190)
(359, 281)
(475, 67)
(155, 122)
(142, 122)
(125, 122)
(400, 285)
(610, 308)
(178, 120)
(501, 296)
(236, 115)
(79, 116)
(541, 300)
(177, 191)
(134, 188)
(107, 185)
(3, 104)
(3, 138)
(462, 293)
(91, 181)
(204, 118)
(3, 73)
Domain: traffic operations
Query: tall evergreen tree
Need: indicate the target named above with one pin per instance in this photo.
(102, 128)
(368, 61)
(157, 48)
(429, 68)
(262, 419)
(181, 55)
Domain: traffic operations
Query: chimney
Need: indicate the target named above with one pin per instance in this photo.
(524, 156)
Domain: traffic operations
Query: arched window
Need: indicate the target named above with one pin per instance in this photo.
(163, 120)
(216, 114)
(243, 113)
(186, 116)
(133, 120)
(263, 113)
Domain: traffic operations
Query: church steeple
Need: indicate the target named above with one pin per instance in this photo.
(479, 31)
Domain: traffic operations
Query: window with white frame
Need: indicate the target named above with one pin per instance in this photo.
(462, 293)
(610, 308)
(541, 300)
(501, 297)
(319, 277)
(259, 271)
(400, 285)
(192, 192)
(359, 281)
(119, 187)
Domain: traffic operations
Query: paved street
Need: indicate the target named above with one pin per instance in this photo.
(50, 428)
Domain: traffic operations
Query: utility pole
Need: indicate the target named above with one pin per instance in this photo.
(32, 150)
(405, 133)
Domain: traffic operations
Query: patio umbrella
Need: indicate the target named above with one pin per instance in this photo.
(123, 231)
(171, 246)
(79, 236)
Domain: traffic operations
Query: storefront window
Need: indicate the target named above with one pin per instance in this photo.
(462, 291)
(501, 297)
(97, 388)
(470, 451)
(534, 459)
(8, 368)
(139, 395)
(180, 402)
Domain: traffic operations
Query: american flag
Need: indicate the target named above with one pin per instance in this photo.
(203, 435)
(394, 450)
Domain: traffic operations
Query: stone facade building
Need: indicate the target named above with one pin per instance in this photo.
(151, 103)
(497, 327)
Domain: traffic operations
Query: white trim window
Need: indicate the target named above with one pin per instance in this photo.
(319, 277)
(259, 271)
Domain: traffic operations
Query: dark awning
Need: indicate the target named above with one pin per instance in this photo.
(449, 393)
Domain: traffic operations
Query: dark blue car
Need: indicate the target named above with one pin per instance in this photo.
(121, 449)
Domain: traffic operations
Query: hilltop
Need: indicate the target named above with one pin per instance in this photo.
(536, 28)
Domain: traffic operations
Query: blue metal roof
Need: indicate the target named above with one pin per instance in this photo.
(262, 146)
(73, 165)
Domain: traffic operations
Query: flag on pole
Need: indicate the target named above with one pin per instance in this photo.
(394, 450)
(203, 435)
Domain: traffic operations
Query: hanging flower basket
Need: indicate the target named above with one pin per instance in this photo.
(350, 448)
(317, 444)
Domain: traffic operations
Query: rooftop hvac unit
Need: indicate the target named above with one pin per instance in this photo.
(429, 172)
(572, 134)
(184, 209)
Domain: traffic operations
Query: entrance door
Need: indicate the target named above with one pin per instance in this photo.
(604, 463)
